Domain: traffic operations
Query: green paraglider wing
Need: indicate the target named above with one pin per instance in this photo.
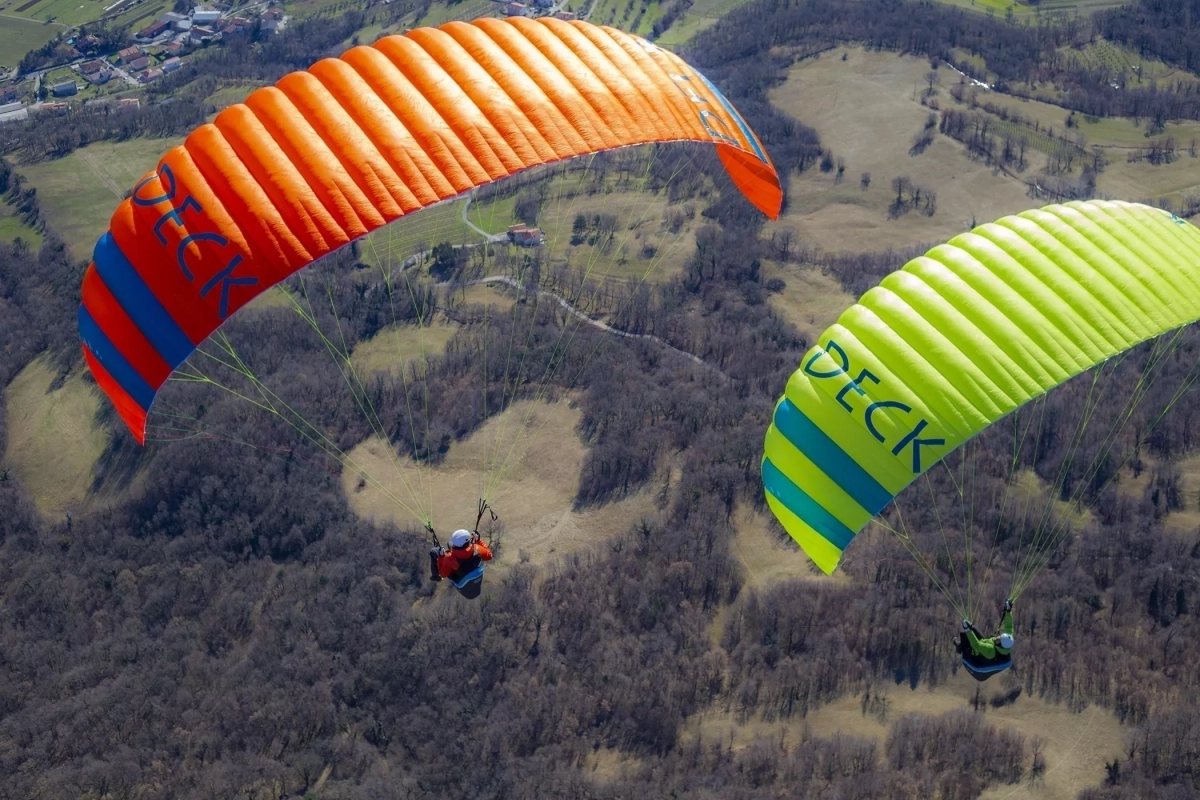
(959, 338)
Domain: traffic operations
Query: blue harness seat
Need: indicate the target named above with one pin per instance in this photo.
(983, 668)
(469, 584)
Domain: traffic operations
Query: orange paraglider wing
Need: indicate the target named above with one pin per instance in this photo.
(329, 154)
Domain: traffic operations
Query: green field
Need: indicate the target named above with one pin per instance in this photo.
(1103, 54)
(1000, 8)
(495, 216)
(642, 245)
(685, 28)
(18, 36)
(635, 16)
(1103, 132)
(439, 13)
(1036, 140)
(140, 13)
(229, 95)
(700, 15)
(421, 231)
(301, 9)
(12, 228)
(78, 193)
(66, 12)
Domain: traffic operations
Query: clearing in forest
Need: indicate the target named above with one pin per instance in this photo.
(767, 554)
(397, 346)
(11, 227)
(811, 300)
(53, 441)
(534, 501)
(1077, 745)
(394, 347)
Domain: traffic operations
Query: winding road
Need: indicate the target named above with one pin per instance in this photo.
(562, 301)
(491, 237)
(595, 323)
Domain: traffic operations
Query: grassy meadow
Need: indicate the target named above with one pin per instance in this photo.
(19, 35)
(53, 441)
(867, 110)
(78, 193)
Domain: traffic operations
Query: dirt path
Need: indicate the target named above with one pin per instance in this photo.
(570, 309)
(491, 237)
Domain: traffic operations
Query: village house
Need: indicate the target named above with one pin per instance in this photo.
(237, 25)
(64, 89)
(153, 30)
(524, 236)
(129, 54)
(171, 64)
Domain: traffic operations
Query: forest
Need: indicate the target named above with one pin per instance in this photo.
(230, 628)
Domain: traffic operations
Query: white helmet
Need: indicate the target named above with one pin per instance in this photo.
(1006, 640)
(460, 538)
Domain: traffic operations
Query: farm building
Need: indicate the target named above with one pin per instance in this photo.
(524, 236)
(153, 30)
(205, 16)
